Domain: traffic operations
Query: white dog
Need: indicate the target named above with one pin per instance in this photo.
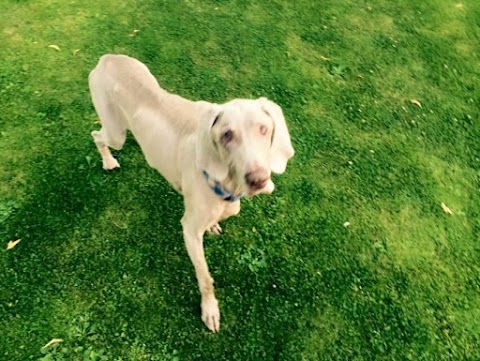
(213, 154)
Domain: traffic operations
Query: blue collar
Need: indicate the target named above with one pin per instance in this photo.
(219, 190)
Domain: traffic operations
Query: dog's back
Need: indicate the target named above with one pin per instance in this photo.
(128, 97)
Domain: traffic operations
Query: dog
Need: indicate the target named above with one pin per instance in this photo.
(212, 154)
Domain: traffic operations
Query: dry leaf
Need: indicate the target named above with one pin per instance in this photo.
(346, 224)
(134, 32)
(416, 102)
(53, 341)
(121, 226)
(53, 46)
(446, 209)
(12, 244)
(324, 58)
(75, 51)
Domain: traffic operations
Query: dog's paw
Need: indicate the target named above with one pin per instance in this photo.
(110, 163)
(215, 229)
(211, 314)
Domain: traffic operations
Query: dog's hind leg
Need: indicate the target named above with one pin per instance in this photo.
(113, 133)
(102, 142)
(231, 209)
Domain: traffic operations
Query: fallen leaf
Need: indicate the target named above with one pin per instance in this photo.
(12, 244)
(446, 209)
(346, 224)
(75, 51)
(53, 46)
(324, 58)
(134, 32)
(53, 341)
(416, 102)
(121, 226)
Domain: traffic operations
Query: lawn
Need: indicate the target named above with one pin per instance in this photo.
(351, 258)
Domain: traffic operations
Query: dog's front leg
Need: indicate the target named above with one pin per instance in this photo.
(193, 231)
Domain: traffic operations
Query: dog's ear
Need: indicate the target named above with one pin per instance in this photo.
(208, 157)
(281, 150)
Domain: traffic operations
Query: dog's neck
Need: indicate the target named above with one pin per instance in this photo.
(226, 190)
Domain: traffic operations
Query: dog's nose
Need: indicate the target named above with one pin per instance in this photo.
(256, 180)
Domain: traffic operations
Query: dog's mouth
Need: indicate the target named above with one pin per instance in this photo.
(265, 186)
(257, 180)
(252, 183)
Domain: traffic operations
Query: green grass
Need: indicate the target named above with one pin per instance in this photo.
(101, 263)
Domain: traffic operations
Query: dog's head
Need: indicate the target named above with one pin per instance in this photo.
(246, 140)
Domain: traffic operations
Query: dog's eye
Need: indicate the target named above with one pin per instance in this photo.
(227, 136)
(263, 130)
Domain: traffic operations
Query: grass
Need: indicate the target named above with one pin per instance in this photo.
(101, 262)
